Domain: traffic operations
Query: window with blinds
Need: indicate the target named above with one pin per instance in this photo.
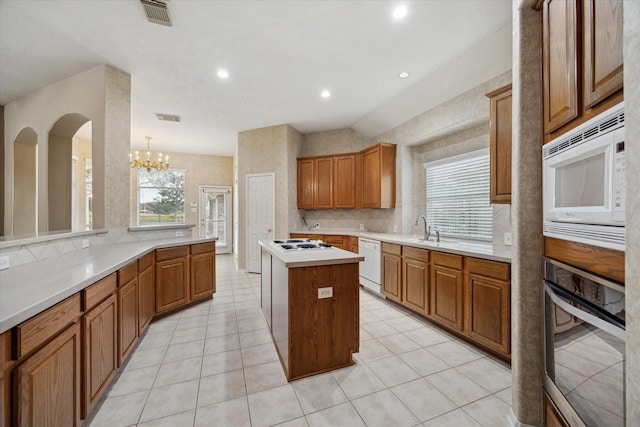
(458, 196)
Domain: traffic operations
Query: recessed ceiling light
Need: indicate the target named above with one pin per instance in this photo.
(325, 94)
(400, 12)
(404, 75)
(223, 74)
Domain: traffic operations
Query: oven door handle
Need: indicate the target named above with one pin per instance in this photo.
(606, 325)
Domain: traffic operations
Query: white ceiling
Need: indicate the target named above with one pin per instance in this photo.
(280, 55)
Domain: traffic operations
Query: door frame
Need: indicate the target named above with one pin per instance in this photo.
(247, 210)
(229, 190)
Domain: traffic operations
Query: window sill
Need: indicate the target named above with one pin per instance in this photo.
(160, 227)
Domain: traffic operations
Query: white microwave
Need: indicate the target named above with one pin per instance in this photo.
(584, 182)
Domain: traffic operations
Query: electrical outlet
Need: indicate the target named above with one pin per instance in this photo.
(179, 234)
(507, 239)
(85, 243)
(325, 292)
(361, 226)
(395, 228)
(4, 262)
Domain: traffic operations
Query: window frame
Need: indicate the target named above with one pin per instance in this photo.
(184, 203)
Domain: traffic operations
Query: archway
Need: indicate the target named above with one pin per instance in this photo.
(63, 173)
(25, 193)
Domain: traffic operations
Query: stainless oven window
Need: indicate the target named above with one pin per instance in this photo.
(585, 350)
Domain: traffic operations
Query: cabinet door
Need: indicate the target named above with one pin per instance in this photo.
(172, 279)
(344, 182)
(323, 182)
(100, 331)
(489, 319)
(48, 383)
(602, 61)
(203, 275)
(371, 178)
(146, 299)
(559, 62)
(447, 297)
(500, 145)
(127, 319)
(391, 277)
(305, 184)
(415, 285)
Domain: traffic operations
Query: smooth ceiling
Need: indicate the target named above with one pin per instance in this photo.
(280, 55)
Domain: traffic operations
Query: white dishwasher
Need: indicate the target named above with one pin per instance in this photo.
(370, 270)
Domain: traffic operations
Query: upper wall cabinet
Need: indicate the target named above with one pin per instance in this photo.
(582, 61)
(349, 181)
(379, 176)
(500, 144)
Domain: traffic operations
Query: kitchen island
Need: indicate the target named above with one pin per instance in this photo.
(310, 299)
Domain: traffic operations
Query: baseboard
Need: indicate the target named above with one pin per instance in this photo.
(513, 421)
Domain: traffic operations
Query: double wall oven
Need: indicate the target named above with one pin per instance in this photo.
(584, 346)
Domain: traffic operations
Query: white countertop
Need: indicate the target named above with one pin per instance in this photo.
(468, 248)
(310, 257)
(28, 289)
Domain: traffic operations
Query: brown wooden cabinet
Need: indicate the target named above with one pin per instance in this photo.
(306, 183)
(100, 332)
(392, 271)
(415, 279)
(446, 290)
(336, 240)
(582, 61)
(315, 183)
(552, 417)
(146, 292)
(172, 278)
(344, 181)
(48, 383)
(203, 270)
(378, 176)
(488, 302)
(353, 244)
(5, 381)
(127, 310)
(500, 145)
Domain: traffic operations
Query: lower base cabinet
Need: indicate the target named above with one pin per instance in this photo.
(127, 319)
(203, 270)
(447, 291)
(391, 271)
(415, 279)
(552, 417)
(48, 383)
(100, 331)
(172, 282)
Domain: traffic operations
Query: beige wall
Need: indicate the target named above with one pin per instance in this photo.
(103, 95)
(200, 170)
(267, 150)
(24, 160)
(81, 149)
(2, 171)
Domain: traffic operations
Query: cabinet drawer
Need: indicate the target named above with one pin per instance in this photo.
(171, 253)
(494, 269)
(128, 273)
(39, 329)
(202, 248)
(145, 262)
(447, 260)
(334, 240)
(415, 253)
(391, 248)
(99, 291)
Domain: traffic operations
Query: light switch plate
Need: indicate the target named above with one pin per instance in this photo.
(325, 292)
(4, 262)
(507, 239)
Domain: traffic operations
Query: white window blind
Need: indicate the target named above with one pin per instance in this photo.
(458, 196)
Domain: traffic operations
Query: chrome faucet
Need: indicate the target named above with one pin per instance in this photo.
(427, 228)
(437, 236)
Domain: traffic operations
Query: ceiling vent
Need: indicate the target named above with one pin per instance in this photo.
(168, 117)
(156, 12)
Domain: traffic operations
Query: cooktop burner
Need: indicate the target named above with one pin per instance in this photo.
(301, 244)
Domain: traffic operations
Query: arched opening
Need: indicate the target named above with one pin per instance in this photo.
(25, 193)
(67, 169)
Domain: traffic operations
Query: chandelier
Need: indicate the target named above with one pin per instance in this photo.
(148, 164)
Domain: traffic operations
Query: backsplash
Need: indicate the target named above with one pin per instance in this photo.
(29, 252)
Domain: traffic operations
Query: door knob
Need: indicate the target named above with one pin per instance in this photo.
(268, 230)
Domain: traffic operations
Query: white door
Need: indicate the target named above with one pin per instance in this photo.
(260, 216)
(215, 216)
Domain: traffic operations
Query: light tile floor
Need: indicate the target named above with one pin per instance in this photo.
(214, 364)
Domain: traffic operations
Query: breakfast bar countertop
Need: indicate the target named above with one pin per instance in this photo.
(29, 289)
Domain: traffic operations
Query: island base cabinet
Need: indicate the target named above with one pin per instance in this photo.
(321, 336)
(127, 319)
(203, 270)
(100, 360)
(172, 281)
(146, 299)
(48, 383)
